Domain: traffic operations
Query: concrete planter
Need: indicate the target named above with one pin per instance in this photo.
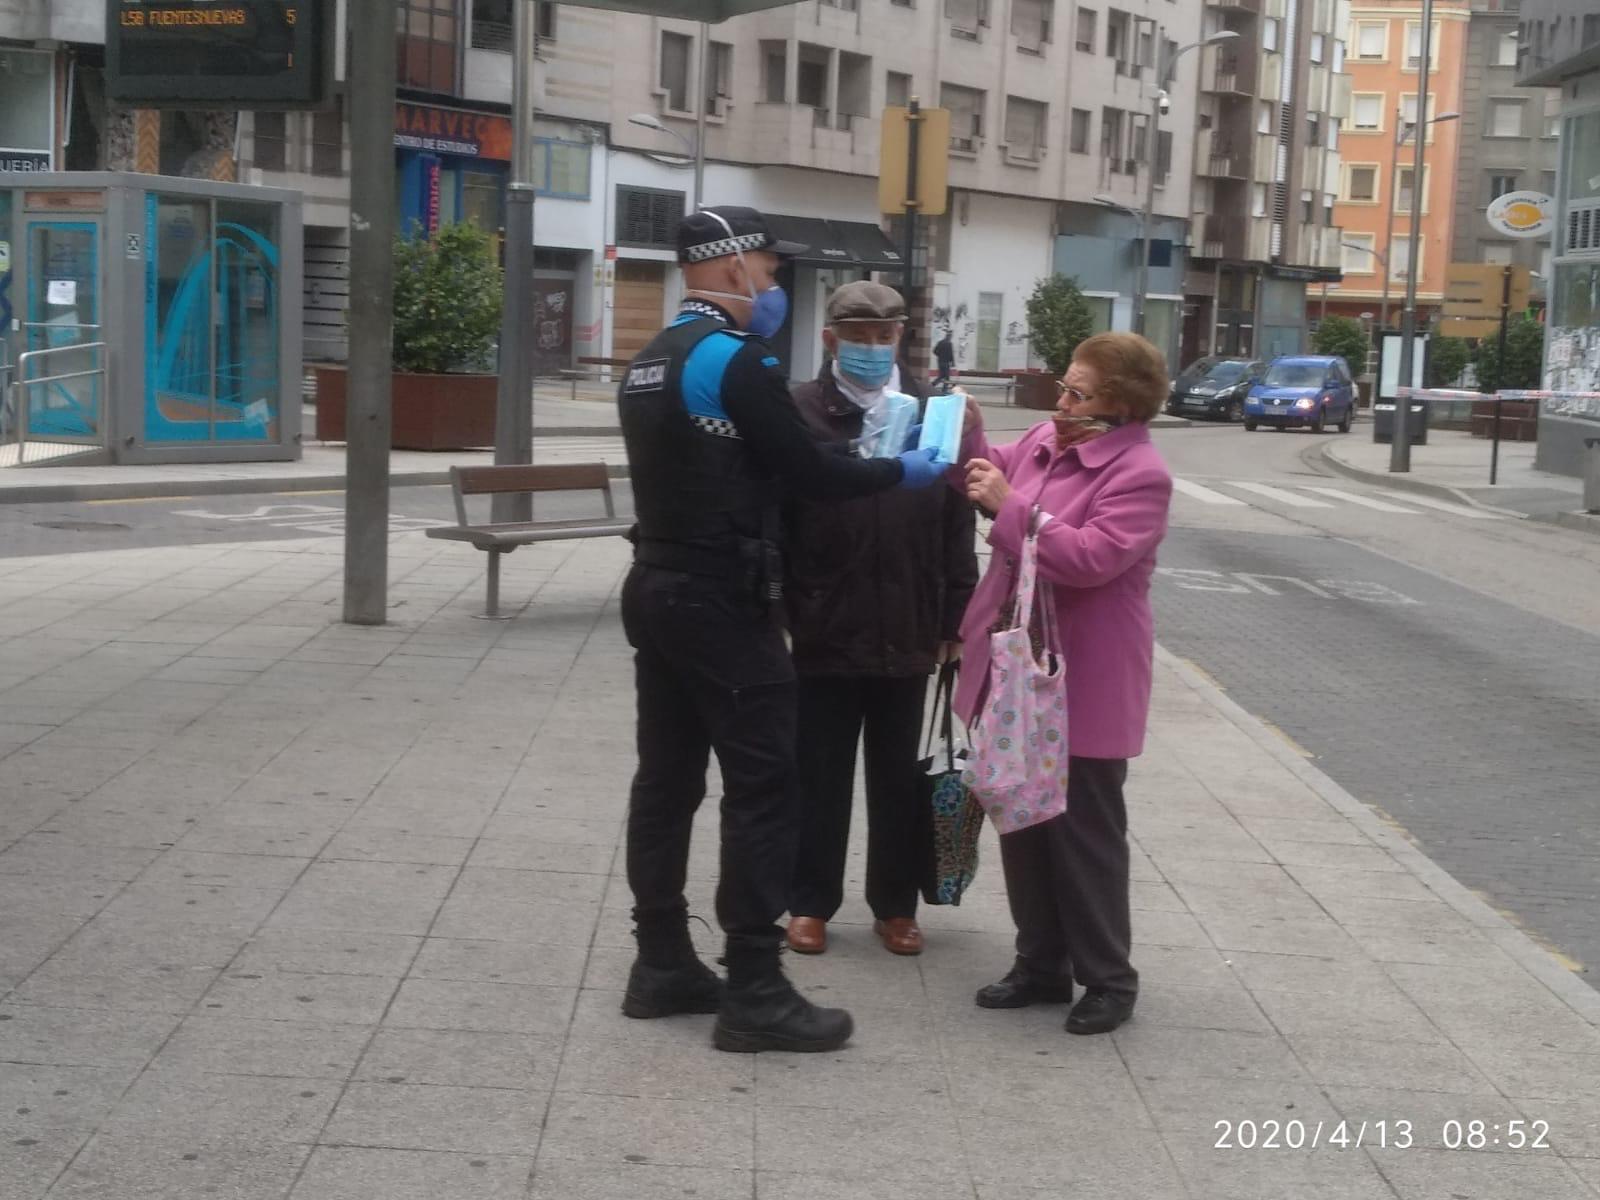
(1035, 389)
(431, 412)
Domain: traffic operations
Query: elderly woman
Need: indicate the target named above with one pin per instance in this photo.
(1102, 491)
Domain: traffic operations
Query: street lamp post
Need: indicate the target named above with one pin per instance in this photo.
(1403, 129)
(691, 150)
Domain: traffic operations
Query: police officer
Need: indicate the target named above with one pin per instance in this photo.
(714, 442)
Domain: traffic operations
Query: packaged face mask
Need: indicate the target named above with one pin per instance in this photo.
(886, 428)
(941, 427)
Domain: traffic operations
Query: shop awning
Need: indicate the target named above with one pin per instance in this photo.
(853, 244)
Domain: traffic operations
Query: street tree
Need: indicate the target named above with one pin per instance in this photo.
(1524, 359)
(1447, 359)
(1344, 337)
(1059, 317)
(447, 296)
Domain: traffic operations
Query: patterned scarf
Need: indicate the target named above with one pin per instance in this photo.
(1074, 431)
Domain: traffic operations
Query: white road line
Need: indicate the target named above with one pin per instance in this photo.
(1278, 494)
(1460, 510)
(1203, 494)
(1364, 501)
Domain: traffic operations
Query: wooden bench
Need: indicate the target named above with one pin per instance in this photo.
(1519, 420)
(502, 537)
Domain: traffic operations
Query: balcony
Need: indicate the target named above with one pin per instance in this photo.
(1339, 99)
(1318, 246)
(1226, 71)
(1270, 77)
(1258, 239)
(801, 135)
(1224, 237)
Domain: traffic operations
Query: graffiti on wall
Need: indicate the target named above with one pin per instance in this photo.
(1574, 360)
(958, 323)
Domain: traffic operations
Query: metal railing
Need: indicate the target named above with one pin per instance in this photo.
(20, 383)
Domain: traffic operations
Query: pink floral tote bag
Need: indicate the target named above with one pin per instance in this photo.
(1018, 765)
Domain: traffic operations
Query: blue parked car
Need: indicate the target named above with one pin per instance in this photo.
(1312, 390)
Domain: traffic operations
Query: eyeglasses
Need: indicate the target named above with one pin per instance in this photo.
(1077, 396)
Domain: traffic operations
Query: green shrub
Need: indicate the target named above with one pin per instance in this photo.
(1343, 336)
(1059, 317)
(448, 291)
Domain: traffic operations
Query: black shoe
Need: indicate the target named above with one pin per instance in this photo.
(688, 987)
(1019, 989)
(768, 1014)
(1099, 1012)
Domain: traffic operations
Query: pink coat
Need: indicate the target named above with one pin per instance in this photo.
(1107, 505)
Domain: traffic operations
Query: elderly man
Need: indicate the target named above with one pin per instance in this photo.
(877, 586)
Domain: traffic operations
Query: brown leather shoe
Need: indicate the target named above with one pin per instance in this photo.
(901, 935)
(808, 935)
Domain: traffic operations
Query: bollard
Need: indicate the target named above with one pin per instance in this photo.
(1591, 474)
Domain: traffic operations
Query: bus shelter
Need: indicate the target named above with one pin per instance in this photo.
(148, 319)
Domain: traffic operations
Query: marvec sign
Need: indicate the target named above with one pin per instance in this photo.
(452, 131)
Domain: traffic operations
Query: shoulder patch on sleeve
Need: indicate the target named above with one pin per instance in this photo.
(770, 360)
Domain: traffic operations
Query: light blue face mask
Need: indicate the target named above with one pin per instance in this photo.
(869, 365)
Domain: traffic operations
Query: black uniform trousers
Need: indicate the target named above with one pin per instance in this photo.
(713, 673)
(885, 716)
(1067, 880)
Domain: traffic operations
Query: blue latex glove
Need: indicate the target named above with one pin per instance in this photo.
(920, 468)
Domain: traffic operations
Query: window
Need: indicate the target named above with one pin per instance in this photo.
(1497, 254)
(1086, 21)
(1163, 156)
(648, 217)
(719, 77)
(1500, 184)
(1112, 137)
(1116, 35)
(327, 141)
(902, 3)
(1400, 259)
(1552, 125)
(1318, 48)
(1269, 33)
(1408, 115)
(1265, 114)
(1414, 46)
(547, 21)
(1025, 128)
(1504, 119)
(775, 72)
(1338, 57)
(1313, 129)
(1404, 194)
(1258, 200)
(1547, 182)
(967, 17)
(427, 46)
(1334, 126)
(1367, 111)
(966, 116)
(897, 90)
(561, 169)
(811, 84)
(1355, 254)
(1361, 183)
(271, 151)
(1372, 40)
(1080, 130)
(1505, 50)
(1030, 23)
(1146, 48)
(673, 80)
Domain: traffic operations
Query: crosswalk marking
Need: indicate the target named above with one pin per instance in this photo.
(1363, 501)
(1460, 510)
(1204, 494)
(1279, 494)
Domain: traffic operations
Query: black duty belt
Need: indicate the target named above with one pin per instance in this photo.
(692, 560)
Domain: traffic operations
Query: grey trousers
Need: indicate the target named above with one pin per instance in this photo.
(1067, 880)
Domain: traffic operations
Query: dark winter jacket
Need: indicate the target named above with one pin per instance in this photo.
(873, 585)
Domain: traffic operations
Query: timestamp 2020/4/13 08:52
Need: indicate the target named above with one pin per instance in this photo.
(1296, 1134)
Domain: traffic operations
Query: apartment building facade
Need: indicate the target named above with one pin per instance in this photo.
(1273, 100)
(1509, 141)
(1378, 199)
(1054, 139)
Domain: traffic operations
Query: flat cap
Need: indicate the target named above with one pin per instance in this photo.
(865, 301)
(702, 236)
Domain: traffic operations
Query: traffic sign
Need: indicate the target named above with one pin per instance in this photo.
(933, 161)
(1474, 290)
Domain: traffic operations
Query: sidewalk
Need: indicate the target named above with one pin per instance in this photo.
(1455, 465)
(565, 431)
(299, 910)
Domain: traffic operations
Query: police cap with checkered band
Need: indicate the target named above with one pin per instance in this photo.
(701, 236)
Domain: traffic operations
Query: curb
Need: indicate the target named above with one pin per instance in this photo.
(1583, 522)
(1321, 454)
(1567, 986)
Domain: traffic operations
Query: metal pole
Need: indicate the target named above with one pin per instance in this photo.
(1400, 446)
(513, 422)
(1388, 229)
(700, 118)
(1505, 316)
(1141, 277)
(372, 220)
(913, 199)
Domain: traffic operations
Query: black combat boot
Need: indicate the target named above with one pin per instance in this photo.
(762, 1011)
(668, 977)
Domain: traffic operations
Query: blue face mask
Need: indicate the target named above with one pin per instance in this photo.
(870, 366)
(769, 310)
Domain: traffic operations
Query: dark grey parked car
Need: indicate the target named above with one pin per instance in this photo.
(1215, 388)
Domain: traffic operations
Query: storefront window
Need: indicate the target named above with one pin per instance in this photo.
(1160, 324)
(482, 200)
(1581, 147)
(561, 169)
(26, 99)
(1100, 313)
(1572, 362)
